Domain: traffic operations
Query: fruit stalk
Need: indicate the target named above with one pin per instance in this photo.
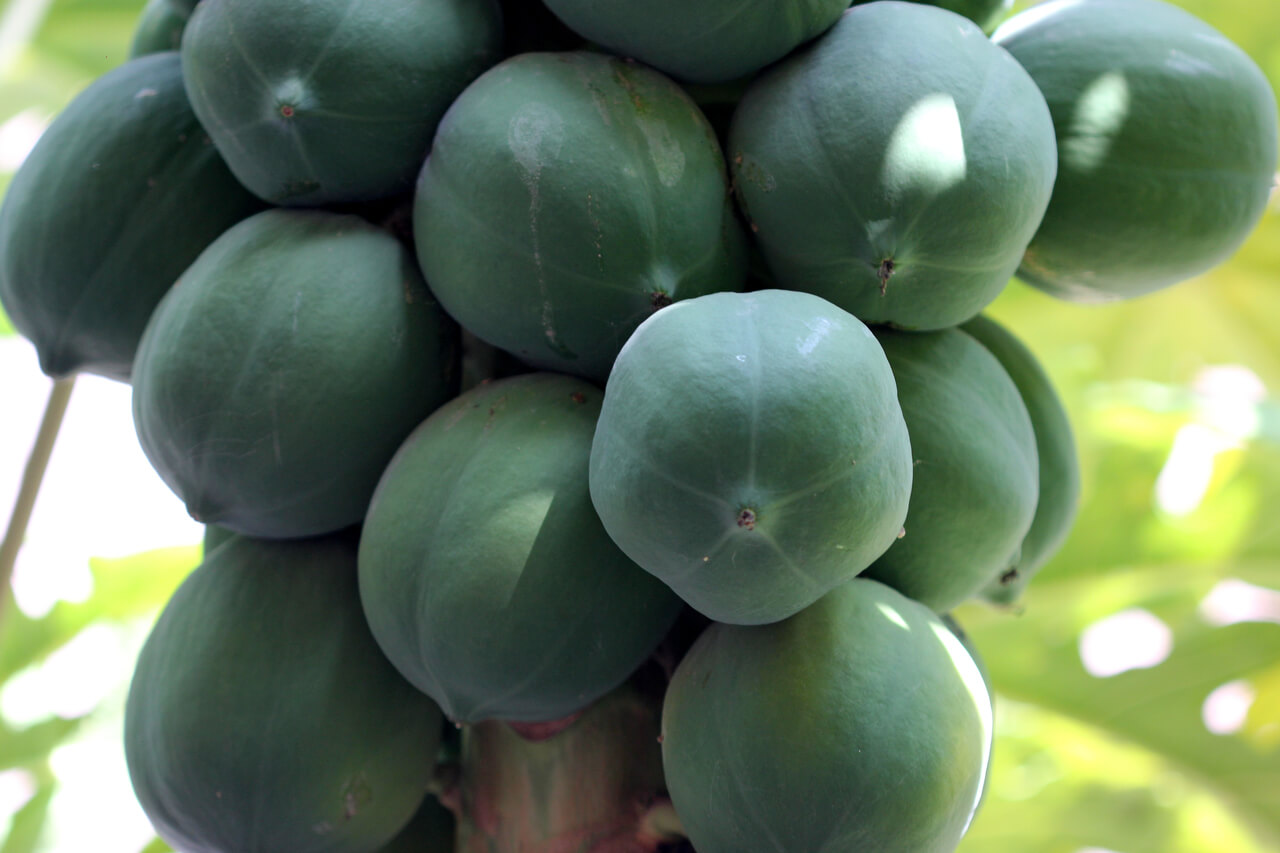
(32, 477)
(595, 787)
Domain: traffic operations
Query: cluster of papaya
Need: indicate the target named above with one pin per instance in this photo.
(509, 348)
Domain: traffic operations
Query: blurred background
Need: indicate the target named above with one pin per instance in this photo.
(1138, 682)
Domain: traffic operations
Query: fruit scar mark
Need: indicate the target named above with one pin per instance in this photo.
(1009, 576)
(598, 241)
(884, 273)
(746, 519)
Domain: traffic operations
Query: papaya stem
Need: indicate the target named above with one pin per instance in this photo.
(32, 478)
(660, 824)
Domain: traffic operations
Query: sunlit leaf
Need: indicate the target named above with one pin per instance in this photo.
(156, 846)
(28, 822)
(34, 743)
(123, 589)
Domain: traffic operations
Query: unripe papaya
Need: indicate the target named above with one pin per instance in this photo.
(263, 718)
(897, 166)
(859, 724)
(159, 27)
(1055, 449)
(708, 41)
(1167, 142)
(484, 572)
(567, 197)
(118, 197)
(277, 378)
(975, 484)
(328, 101)
(751, 452)
(984, 13)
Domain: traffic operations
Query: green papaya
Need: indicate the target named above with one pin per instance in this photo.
(213, 537)
(976, 473)
(1055, 449)
(972, 648)
(859, 724)
(277, 378)
(486, 576)
(118, 197)
(567, 197)
(1167, 145)
(985, 13)
(328, 101)
(710, 41)
(430, 831)
(897, 167)
(751, 452)
(262, 718)
(159, 27)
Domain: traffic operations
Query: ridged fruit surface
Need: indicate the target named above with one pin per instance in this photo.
(484, 572)
(710, 41)
(898, 166)
(976, 473)
(330, 101)
(751, 452)
(859, 724)
(263, 718)
(118, 197)
(1055, 449)
(567, 197)
(1167, 141)
(278, 377)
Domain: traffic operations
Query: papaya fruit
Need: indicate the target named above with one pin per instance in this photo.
(430, 831)
(277, 378)
(484, 572)
(985, 13)
(1059, 466)
(159, 27)
(706, 42)
(1167, 141)
(751, 452)
(976, 476)
(326, 101)
(213, 537)
(860, 723)
(898, 166)
(263, 718)
(118, 197)
(969, 646)
(567, 197)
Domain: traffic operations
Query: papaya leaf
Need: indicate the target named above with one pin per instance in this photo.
(33, 744)
(29, 821)
(124, 589)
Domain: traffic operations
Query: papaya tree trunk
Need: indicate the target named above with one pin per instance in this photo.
(595, 786)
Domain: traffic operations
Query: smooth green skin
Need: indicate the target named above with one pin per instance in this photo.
(1167, 140)
(901, 135)
(159, 27)
(859, 724)
(1055, 448)
(330, 101)
(262, 717)
(214, 536)
(566, 198)
(976, 472)
(985, 13)
(276, 380)
(486, 576)
(969, 646)
(706, 41)
(775, 402)
(118, 197)
(430, 831)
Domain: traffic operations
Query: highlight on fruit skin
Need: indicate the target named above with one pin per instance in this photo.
(751, 452)
(896, 166)
(1167, 140)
